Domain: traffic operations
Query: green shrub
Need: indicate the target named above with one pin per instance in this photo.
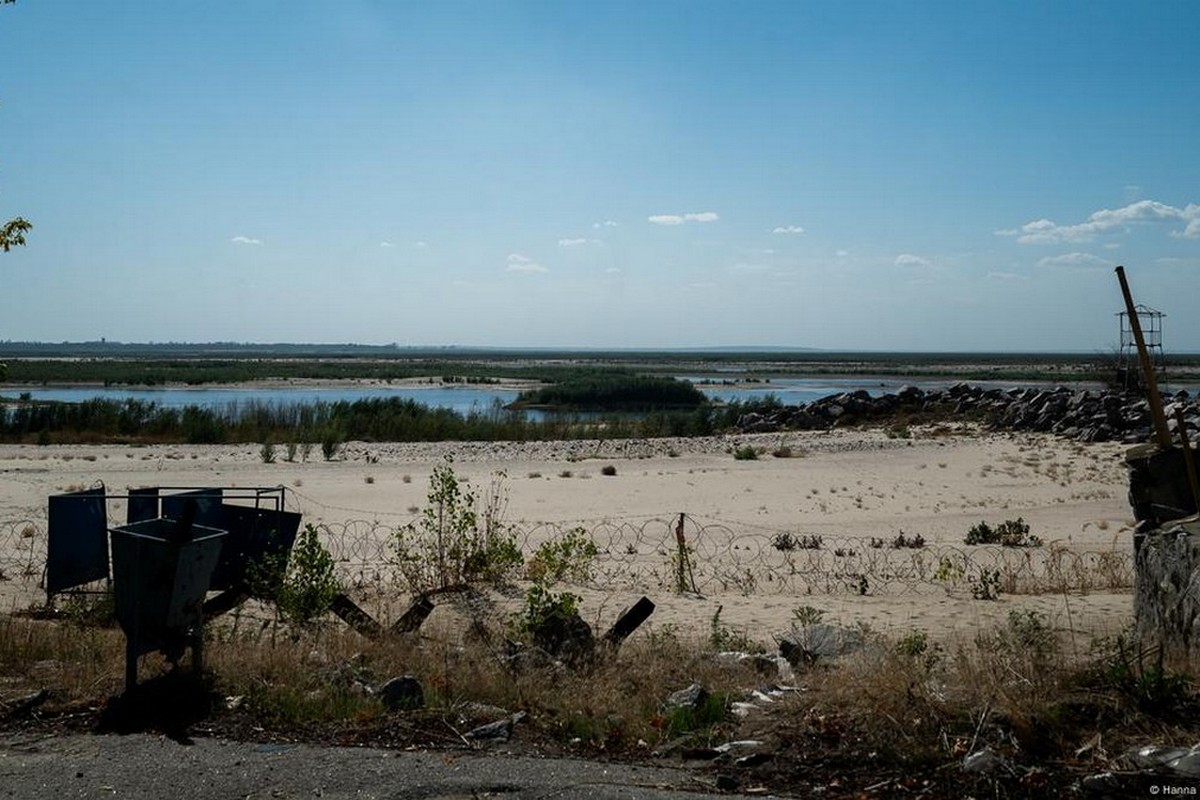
(746, 453)
(569, 556)
(331, 442)
(541, 606)
(787, 542)
(807, 615)
(711, 711)
(1138, 672)
(1026, 635)
(914, 542)
(1010, 533)
(916, 647)
(948, 573)
(449, 544)
(986, 586)
(723, 638)
(309, 585)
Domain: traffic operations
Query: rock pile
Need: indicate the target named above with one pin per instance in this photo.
(1088, 415)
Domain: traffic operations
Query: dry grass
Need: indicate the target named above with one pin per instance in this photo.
(913, 708)
(611, 703)
(911, 705)
(77, 663)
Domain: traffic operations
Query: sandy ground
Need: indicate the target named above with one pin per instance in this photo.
(845, 486)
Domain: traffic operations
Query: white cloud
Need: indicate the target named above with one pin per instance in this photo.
(608, 223)
(1109, 221)
(909, 260)
(842, 253)
(702, 285)
(386, 244)
(245, 240)
(576, 242)
(1006, 276)
(613, 270)
(420, 245)
(519, 263)
(1074, 260)
(679, 219)
(796, 229)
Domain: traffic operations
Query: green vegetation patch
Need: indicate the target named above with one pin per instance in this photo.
(618, 392)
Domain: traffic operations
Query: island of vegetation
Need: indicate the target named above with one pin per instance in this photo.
(622, 392)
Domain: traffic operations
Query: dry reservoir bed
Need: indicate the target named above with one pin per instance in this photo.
(814, 520)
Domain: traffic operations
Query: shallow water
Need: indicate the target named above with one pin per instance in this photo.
(464, 399)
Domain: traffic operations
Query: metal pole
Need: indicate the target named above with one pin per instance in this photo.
(1155, 399)
(1188, 460)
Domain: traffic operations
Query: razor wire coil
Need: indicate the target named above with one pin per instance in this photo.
(644, 554)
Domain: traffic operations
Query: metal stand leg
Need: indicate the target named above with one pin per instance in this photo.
(198, 654)
(131, 663)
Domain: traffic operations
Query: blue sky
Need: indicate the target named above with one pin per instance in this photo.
(839, 175)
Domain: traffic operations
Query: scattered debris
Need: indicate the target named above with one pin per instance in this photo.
(806, 644)
(23, 706)
(402, 693)
(498, 731)
(984, 762)
(692, 697)
(1177, 760)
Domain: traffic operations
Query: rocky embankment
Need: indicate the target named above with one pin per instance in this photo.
(1084, 414)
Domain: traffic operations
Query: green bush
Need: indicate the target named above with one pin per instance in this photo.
(569, 556)
(302, 584)
(1010, 533)
(331, 442)
(541, 607)
(615, 391)
(711, 711)
(450, 544)
(1138, 672)
(721, 637)
(309, 585)
(986, 586)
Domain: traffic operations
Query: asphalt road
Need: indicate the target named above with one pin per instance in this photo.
(45, 767)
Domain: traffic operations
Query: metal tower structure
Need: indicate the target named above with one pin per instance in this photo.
(1127, 360)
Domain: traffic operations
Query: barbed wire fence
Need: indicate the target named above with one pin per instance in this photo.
(683, 552)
